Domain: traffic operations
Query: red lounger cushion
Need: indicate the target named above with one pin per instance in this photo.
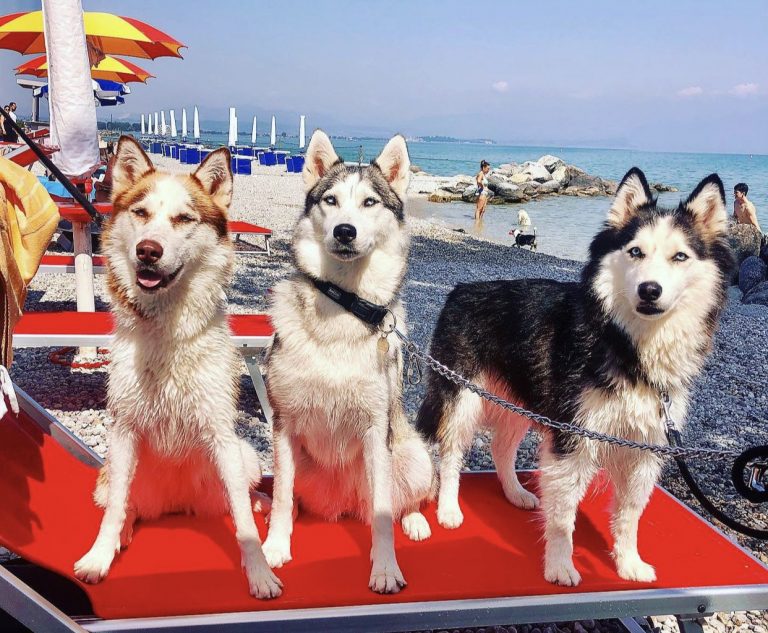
(102, 323)
(181, 565)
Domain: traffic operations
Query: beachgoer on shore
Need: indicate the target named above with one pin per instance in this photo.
(482, 189)
(6, 128)
(10, 134)
(743, 210)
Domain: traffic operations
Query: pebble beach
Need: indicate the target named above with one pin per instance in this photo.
(729, 406)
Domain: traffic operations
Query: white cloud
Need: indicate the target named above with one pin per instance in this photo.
(500, 86)
(690, 91)
(744, 90)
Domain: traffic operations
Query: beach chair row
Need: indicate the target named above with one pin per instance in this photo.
(242, 160)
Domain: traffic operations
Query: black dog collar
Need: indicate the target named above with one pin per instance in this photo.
(366, 311)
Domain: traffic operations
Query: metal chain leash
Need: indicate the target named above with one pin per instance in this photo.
(414, 377)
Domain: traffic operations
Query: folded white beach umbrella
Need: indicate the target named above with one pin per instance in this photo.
(302, 132)
(157, 126)
(184, 124)
(253, 131)
(143, 129)
(232, 140)
(273, 133)
(196, 125)
(163, 126)
(70, 91)
(173, 123)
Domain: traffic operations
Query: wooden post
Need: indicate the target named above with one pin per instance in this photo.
(81, 234)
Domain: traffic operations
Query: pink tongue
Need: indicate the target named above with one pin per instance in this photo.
(149, 279)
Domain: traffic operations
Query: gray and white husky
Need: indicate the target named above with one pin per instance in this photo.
(343, 445)
(599, 352)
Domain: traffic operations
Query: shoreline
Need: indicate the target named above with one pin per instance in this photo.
(728, 406)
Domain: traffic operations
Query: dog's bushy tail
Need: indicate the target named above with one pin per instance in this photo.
(430, 412)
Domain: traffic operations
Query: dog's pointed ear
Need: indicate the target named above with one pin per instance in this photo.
(215, 174)
(320, 158)
(707, 206)
(633, 193)
(131, 163)
(395, 164)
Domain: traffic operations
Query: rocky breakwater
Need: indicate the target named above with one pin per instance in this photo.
(513, 182)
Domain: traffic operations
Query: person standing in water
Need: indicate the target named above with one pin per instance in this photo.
(482, 189)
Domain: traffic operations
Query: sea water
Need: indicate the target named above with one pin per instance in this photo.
(564, 224)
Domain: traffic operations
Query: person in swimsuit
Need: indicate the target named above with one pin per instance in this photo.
(743, 209)
(482, 189)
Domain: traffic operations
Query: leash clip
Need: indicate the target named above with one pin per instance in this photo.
(413, 370)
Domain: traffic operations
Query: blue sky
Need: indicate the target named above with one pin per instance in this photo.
(678, 76)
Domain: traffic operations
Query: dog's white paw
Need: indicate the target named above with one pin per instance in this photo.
(94, 566)
(386, 577)
(634, 568)
(277, 551)
(562, 572)
(262, 582)
(449, 517)
(523, 499)
(416, 527)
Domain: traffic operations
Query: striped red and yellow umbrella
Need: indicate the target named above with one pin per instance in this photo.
(110, 68)
(111, 34)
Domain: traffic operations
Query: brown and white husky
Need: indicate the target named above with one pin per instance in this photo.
(173, 383)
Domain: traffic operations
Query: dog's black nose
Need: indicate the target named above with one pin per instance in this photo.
(148, 251)
(344, 233)
(649, 291)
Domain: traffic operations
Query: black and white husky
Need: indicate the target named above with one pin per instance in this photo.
(598, 352)
(343, 445)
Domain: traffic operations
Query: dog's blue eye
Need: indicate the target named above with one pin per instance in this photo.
(185, 218)
(680, 257)
(139, 212)
(330, 200)
(635, 252)
(369, 202)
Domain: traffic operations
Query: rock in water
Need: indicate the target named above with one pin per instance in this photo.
(551, 162)
(661, 187)
(537, 172)
(551, 186)
(751, 272)
(561, 175)
(757, 295)
(764, 250)
(745, 241)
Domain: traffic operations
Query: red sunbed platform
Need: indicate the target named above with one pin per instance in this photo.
(488, 570)
(48, 329)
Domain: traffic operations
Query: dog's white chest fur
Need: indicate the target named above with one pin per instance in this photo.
(172, 389)
(327, 371)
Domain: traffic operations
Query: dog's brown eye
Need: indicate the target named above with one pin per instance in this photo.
(680, 257)
(635, 253)
(185, 218)
(330, 200)
(369, 202)
(141, 213)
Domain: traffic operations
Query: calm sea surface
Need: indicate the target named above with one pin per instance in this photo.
(564, 224)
